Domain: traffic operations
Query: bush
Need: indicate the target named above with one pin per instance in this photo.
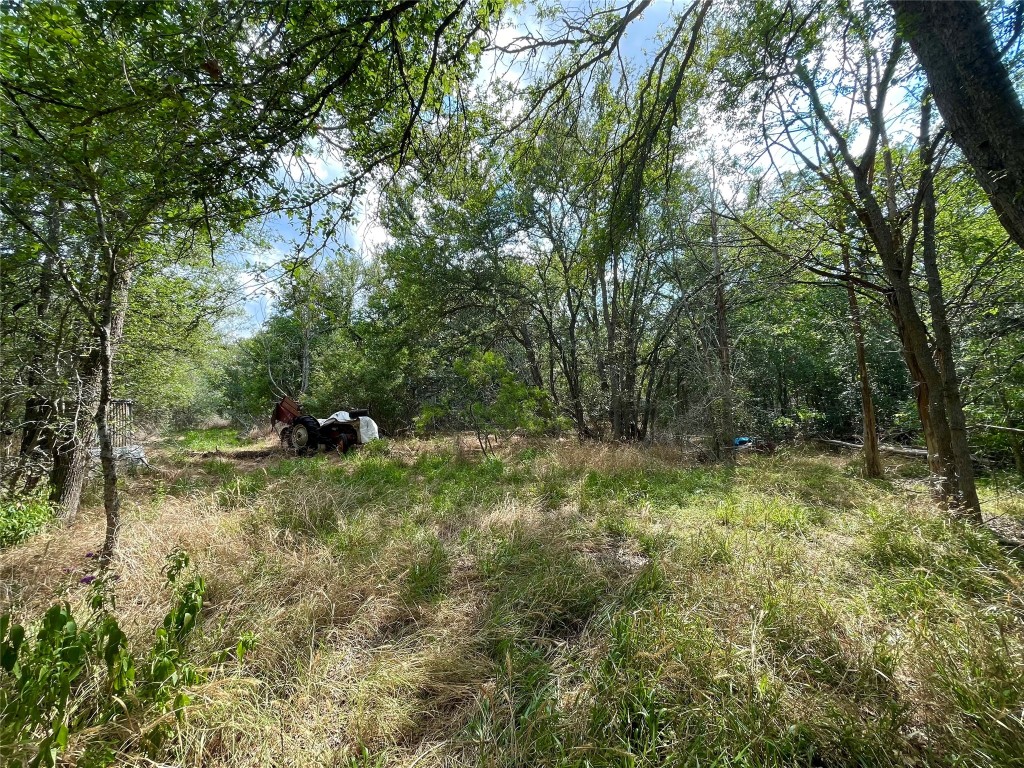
(22, 518)
(79, 676)
(491, 400)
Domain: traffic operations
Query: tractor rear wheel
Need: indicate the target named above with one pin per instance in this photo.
(346, 440)
(305, 436)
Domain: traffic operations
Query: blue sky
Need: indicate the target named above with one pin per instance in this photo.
(364, 235)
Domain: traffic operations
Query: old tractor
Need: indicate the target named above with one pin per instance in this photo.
(304, 434)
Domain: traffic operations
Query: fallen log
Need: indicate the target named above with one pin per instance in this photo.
(1011, 430)
(898, 450)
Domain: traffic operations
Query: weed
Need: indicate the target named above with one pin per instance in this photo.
(75, 677)
(22, 518)
(542, 588)
(923, 553)
(428, 572)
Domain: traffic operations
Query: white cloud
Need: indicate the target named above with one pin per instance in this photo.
(370, 235)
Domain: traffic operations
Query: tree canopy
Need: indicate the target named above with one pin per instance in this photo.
(685, 224)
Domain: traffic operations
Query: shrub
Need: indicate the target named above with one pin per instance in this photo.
(80, 675)
(492, 400)
(21, 518)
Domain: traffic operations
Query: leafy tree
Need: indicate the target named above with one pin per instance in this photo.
(493, 401)
(813, 124)
(975, 95)
(130, 124)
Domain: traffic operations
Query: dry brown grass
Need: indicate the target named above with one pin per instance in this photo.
(433, 609)
(611, 458)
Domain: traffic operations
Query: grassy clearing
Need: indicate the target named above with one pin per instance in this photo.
(210, 439)
(568, 605)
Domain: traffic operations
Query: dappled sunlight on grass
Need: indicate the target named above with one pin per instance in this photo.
(567, 604)
(210, 439)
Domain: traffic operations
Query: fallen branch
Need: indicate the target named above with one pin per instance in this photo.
(219, 454)
(997, 428)
(899, 450)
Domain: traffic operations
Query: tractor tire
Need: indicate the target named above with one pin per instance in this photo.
(304, 438)
(346, 440)
(286, 436)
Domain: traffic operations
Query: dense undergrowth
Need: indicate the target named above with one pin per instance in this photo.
(23, 517)
(562, 605)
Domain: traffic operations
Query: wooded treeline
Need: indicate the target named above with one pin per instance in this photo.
(755, 223)
(138, 136)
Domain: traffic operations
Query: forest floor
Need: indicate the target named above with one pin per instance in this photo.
(416, 603)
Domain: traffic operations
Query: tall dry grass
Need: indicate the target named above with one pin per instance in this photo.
(563, 604)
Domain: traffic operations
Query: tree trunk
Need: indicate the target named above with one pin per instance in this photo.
(974, 93)
(107, 328)
(533, 364)
(1017, 447)
(929, 404)
(111, 499)
(109, 335)
(783, 391)
(552, 388)
(571, 369)
(39, 407)
(1016, 444)
(304, 350)
(872, 457)
(897, 259)
(959, 469)
(33, 426)
(72, 439)
(897, 250)
(613, 344)
(726, 428)
(67, 477)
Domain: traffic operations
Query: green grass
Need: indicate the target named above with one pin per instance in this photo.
(570, 606)
(210, 439)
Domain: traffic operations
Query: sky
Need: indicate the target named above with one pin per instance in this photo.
(364, 236)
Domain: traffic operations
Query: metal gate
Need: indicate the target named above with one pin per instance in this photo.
(119, 418)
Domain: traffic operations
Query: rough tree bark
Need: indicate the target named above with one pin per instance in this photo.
(72, 439)
(974, 93)
(39, 412)
(928, 387)
(896, 254)
(39, 407)
(1016, 444)
(62, 422)
(613, 371)
(108, 459)
(107, 320)
(525, 338)
(114, 310)
(872, 456)
(960, 468)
